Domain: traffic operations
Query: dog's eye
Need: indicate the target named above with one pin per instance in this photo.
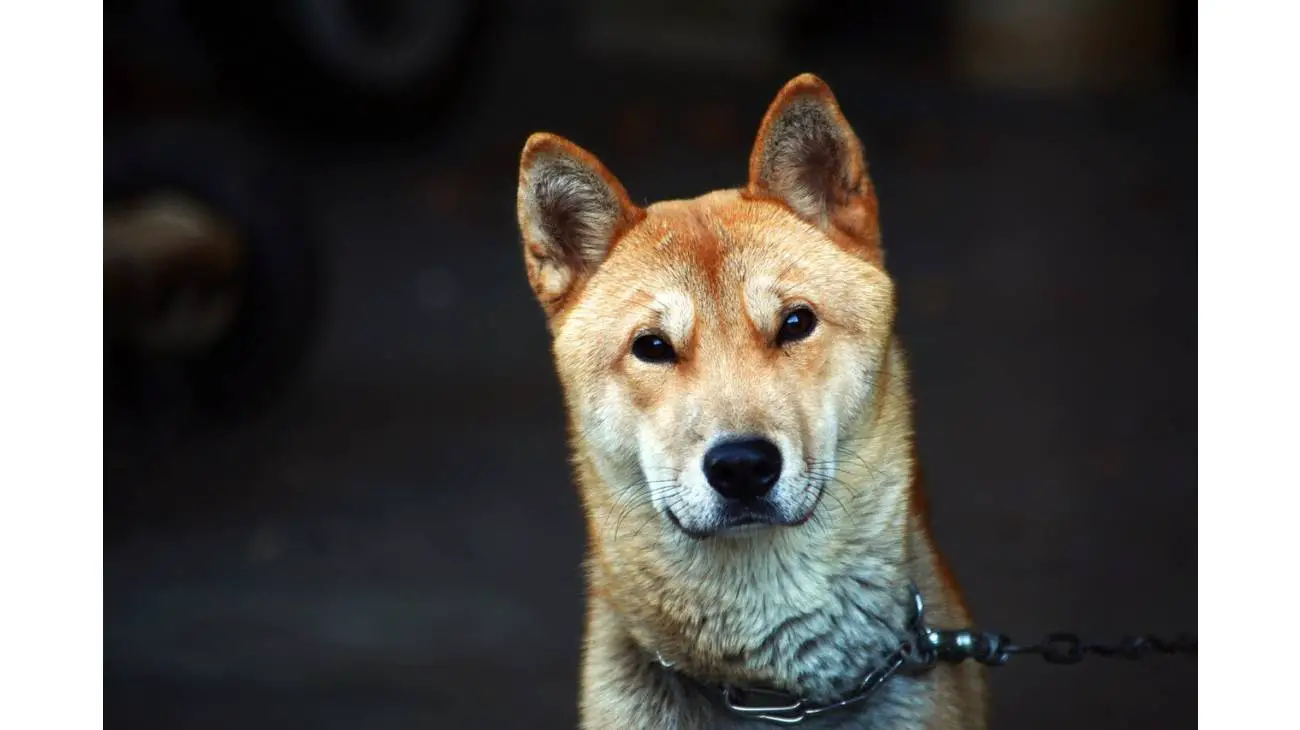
(653, 349)
(798, 324)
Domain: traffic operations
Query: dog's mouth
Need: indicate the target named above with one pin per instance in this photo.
(743, 517)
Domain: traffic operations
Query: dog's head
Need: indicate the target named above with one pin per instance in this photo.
(715, 353)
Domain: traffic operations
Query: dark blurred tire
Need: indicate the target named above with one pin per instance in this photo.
(259, 354)
(340, 66)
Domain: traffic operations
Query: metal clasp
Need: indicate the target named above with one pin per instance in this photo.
(923, 653)
(789, 714)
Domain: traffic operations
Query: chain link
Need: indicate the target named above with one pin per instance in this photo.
(994, 650)
(1066, 648)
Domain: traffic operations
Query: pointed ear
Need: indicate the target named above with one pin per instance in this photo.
(570, 211)
(807, 156)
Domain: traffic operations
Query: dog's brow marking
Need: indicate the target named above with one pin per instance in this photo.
(761, 302)
(676, 314)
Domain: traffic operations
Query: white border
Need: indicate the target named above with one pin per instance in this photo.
(51, 314)
(51, 536)
(1248, 328)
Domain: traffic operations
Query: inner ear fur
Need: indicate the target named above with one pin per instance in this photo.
(807, 156)
(570, 210)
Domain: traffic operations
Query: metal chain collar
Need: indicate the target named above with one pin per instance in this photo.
(928, 646)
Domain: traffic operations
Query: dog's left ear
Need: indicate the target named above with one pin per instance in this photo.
(807, 156)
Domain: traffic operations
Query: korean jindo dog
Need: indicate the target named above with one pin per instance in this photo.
(741, 434)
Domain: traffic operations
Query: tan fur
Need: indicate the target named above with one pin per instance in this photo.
(802, 606)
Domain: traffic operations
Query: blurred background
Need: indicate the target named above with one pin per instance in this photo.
(336, 483)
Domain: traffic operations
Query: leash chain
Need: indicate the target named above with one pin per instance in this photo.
(951, 646)
(1060, 647)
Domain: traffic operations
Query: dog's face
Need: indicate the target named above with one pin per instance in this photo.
(716, 352)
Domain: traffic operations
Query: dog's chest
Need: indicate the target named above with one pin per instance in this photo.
(789, 630)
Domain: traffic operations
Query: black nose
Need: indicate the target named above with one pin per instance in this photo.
(743, 469)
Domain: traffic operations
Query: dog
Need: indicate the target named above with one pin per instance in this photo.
(741, 435)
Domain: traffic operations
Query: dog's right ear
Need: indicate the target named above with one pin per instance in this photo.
(570, 211)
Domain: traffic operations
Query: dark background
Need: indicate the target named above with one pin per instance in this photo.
(394, 541)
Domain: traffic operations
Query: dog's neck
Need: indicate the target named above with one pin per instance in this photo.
(759, 612)
(806, 611)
